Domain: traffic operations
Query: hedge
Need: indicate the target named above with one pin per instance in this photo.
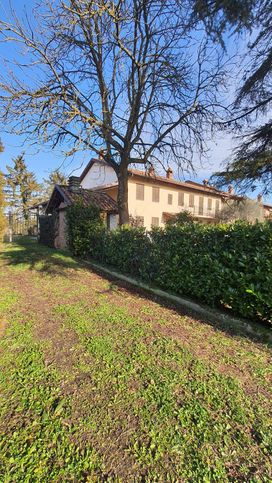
(227, 266)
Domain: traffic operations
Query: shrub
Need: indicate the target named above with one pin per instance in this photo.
(222, 265)
(181, 218)
(82, 223)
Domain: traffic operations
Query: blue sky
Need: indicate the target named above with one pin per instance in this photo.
(42, 159)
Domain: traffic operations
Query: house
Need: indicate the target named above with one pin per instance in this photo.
(153, 199)
(64, 196)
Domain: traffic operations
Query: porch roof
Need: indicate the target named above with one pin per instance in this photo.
(62, 194)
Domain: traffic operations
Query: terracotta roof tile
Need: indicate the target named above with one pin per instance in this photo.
(100, 199)
(185, 184)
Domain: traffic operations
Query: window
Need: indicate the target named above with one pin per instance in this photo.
(217, 206)
(181, 199)
(191, 201)
(155, 221)
(200, 205)
(155, 194)
(139, 191)
(170, 199)
(139, 220)
(209, 203)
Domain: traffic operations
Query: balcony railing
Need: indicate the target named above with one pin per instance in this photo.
(196, 211)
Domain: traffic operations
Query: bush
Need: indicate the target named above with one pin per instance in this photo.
(82, 224)
(181, 218)
(222, 265)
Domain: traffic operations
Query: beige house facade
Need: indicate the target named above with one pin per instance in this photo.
(153, 199)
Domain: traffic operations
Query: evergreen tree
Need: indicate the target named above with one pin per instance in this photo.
(2, 200)
(252, 162)
(22, 187)
(55, 177)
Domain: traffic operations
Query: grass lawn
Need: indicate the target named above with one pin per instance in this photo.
(100, 383)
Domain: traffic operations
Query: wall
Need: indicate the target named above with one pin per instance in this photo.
(61, 238)
(48, 230)
(149, 208)
(100, 174)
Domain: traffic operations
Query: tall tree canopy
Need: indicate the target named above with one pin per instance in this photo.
(55, 177)
(22, 187)
(252, 163)
(126, 76)
(221, 16)
(2, 199)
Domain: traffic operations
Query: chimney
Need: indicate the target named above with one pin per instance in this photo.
(169, 173)
(102, 153)
(74, 184)
(151, 170)
(205, 182)
(230, 189)
(260, 198)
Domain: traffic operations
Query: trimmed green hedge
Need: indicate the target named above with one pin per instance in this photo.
(221, 265)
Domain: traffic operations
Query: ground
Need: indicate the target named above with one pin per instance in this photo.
(100, 383)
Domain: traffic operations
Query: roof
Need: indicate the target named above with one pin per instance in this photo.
(38, 205)
(87, 197)
(90, 165)
(189, 185)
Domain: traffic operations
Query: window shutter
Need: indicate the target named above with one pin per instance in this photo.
(139, 191)
(200, 205)
(181, 198)
(156, 194)
(155, 221)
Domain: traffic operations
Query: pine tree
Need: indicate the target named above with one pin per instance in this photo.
(22, 187)
(55, 177)
(2, 200)
(252, 162)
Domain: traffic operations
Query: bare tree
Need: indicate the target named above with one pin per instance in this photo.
(127, 76)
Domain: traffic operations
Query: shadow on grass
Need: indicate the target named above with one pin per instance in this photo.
(262, 329)
(26, 253)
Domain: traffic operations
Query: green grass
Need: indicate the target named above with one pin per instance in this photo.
(90, 391)
(194, 422)
(37, 445)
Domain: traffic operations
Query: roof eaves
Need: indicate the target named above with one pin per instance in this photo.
(176, 183)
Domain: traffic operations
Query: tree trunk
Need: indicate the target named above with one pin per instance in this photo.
(122, 199)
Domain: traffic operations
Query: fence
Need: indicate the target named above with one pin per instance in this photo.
(19, 225)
